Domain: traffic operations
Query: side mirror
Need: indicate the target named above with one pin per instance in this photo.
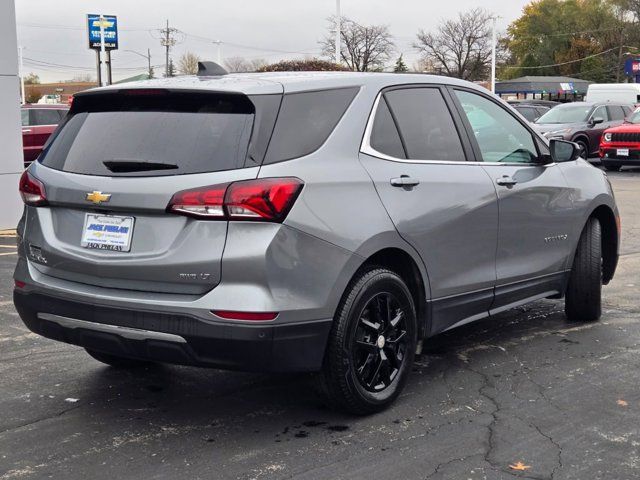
(563, 151)
(596, 121)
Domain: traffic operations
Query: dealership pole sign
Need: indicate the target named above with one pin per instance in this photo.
(100, 26)
(102, 31)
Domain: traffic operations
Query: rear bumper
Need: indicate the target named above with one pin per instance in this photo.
(161, 336)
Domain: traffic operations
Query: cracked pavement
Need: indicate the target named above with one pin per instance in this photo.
(526, 386)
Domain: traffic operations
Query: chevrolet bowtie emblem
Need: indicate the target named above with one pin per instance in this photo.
(98, 197)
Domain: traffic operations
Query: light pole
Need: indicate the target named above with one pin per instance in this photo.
(494, 43)
(147, 56)
(219, 43)
(338, 30)
(24, 99)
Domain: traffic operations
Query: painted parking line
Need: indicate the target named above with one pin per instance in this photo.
(9, 253)
(8, 246)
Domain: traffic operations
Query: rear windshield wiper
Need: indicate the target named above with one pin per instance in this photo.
(124, 166)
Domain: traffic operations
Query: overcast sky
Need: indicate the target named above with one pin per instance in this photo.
(54, 31)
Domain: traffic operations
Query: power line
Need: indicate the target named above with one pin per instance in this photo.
(564, 63)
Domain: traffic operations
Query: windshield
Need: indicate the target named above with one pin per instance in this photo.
(566, 114)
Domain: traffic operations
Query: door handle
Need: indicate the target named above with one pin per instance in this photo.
(404, 181)
(506, 181)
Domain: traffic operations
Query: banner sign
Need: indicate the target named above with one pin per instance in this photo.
(110, 29)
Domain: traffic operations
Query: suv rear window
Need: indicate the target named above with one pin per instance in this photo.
(153, 133)
(305, 122)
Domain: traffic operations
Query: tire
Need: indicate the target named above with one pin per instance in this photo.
(584, 148)
(369, 357)
(583, 302)
(612, 168)
(117, 362)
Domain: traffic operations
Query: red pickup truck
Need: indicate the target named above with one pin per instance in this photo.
(38, 123)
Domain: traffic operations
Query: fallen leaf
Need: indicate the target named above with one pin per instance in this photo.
(622, 403)
(519, 466)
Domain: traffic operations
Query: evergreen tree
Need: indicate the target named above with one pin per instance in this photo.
(400, 67)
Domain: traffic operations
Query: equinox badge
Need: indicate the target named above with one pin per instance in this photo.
(98, 197)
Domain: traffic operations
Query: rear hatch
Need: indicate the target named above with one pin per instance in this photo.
(111, 171)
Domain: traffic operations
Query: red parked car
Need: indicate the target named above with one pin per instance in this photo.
(620, 145)
(38, 123)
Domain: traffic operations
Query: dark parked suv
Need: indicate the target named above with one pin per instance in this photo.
(582, 122)
(302, 222)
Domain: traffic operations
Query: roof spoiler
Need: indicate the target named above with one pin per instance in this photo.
(210, 69)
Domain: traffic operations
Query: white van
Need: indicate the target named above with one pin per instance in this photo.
(614, 92)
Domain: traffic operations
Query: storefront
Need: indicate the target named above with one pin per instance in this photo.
(558, 89)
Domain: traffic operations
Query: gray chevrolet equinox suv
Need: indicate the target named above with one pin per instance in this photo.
(302, 222)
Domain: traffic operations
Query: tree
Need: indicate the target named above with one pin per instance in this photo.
(312, 65)
(171, 69)
(570, 37)
(237, 65)
(33, 95)
(364, 48)
(188, 63)
(400, 67)
(460, 47)
(31, 79)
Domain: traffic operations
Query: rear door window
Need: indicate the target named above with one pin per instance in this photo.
(425, 124)
(305, 122)
(44, 116)
(616, 112)
(528, 113)
(172, 134)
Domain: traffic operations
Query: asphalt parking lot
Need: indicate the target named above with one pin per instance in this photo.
(523, 395)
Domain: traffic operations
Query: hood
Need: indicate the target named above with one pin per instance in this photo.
(625, 128)
(552, 127)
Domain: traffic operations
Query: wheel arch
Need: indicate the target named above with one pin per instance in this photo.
(584, 137)
(408, 268)
(609, 223)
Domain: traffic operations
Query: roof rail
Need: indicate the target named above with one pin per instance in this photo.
(210, 69)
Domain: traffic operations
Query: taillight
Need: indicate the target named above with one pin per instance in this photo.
(268, 199)
(32, 190)
(204, 202)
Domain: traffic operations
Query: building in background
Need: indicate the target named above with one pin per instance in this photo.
(559, 89)
(56, 92)
(11, 165)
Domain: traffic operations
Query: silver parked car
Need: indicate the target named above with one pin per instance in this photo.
(302, 222)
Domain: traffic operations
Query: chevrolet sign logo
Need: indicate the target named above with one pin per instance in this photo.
(98, 197)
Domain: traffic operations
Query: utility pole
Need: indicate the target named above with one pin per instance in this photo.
(147, 57)
(338, 30)
(494, 43)
(167, 41)
(24, 99)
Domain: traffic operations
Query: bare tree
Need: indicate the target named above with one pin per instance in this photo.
(188, 63)
(460, 47)
(242, 65)
(257, 64)
(364, 48)
(237, 65)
